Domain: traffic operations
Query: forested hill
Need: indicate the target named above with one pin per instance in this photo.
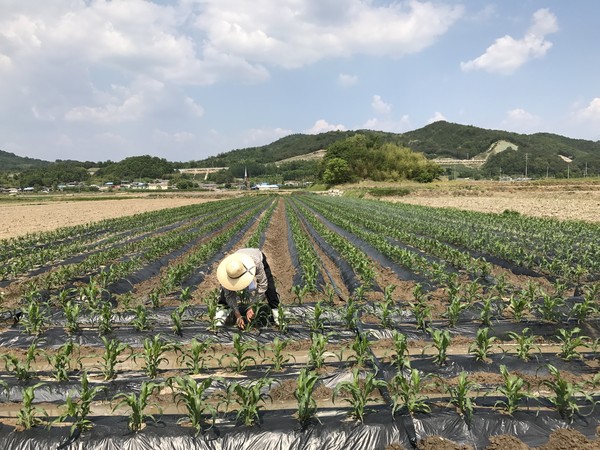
(12, 162)
(544, 152)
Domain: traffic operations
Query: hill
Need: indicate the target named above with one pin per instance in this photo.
(13, 163)
(538, 154)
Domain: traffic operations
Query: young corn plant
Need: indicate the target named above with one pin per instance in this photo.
(461, 396)
(192, 394)
(519, 305)
(177, 319)
(212, 306)
(316, 351)
(570, 343)
(406, 393)
(455, 307)
(154, 298)
(387, 306)
(350, 313)
(401, 358)
(141, 321)
(307, 405)
(316, 323)
(113, 349)
(105, 314)
(549, 308)
(278, 357)
(249, 399)
(487, 311)
(585, 309)
(154, 350)
(78, 409)
(138, 403)
(196, 355)
(29, 415)
(514, 389)
(362, 352)
(34, 318)
(300, 292)
(565, 394)
(63, 361)
(525, 343)
(358, 392)
(21, 369)
(72, 312)
(441, 342)
(420, 307)
(482, 346)
(240, 358)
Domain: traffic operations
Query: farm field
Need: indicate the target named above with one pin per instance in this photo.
(405, 326)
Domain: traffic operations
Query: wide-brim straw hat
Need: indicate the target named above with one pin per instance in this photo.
(236, 272)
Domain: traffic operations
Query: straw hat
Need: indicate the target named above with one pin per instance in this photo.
(236, 271)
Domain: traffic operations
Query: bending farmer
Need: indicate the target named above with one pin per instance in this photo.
(245, 278)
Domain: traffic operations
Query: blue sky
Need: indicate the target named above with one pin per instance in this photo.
(187, 79)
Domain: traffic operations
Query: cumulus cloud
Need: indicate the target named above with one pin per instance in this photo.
(507, 54)
(521, 120)
(437, 116)
(194, 107)
(591, 112)
(387, 124)
(379, 106)
(322, 126)
(346, 80)
(263, 136)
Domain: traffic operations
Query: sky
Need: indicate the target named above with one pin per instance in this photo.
(97, 80)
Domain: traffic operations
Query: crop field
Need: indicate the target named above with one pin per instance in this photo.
(403, 326)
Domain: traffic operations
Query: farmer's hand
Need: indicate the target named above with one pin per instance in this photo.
(239, 321)
(250, 314)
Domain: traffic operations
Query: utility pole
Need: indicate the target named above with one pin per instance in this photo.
(526, 159)
(585, 173)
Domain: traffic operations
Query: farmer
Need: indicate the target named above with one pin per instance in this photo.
(246, 279)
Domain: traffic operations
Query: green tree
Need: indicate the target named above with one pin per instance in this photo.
(336, 171)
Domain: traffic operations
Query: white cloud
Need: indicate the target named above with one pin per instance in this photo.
(262, 136)
(520, 120)
(346, 80)
(437, 116)
(389, 125)
(322, 126)
(194, 107)
(507, 54)
(591, 112)
(379, 106)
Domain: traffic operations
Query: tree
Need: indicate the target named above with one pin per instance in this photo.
(336, 171)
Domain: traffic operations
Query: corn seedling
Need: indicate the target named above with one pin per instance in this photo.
(21, 369)
(249, 398)
(284, 321)
(350, 313)
(105, 314)
(387, 306)
(177, 319)
(525, 343)
(307, 405)
(549, 308)
(455, 307)
(519, 304)
(239, 358)
(113, 349)
(316, 323)
(460, 396)
(186, 294)
(359, 392)
(212, 306)
(487, 311)
(585, 309)
(406, 393)
(278, 358)
(63, 361)
(196, 355)
(34, 318)
(192, 394)
(141, 321)
(441, 342)
(401, 358)
(72, 311)
(570, 342)
(362, 350)
(154, 297)
(565, 393)
(138, 403)
(420, 307)
(29, 415)
(316, 351)
(482, 345)
(154, 350)
(78, 410)
(514, 389)
(299, 292)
